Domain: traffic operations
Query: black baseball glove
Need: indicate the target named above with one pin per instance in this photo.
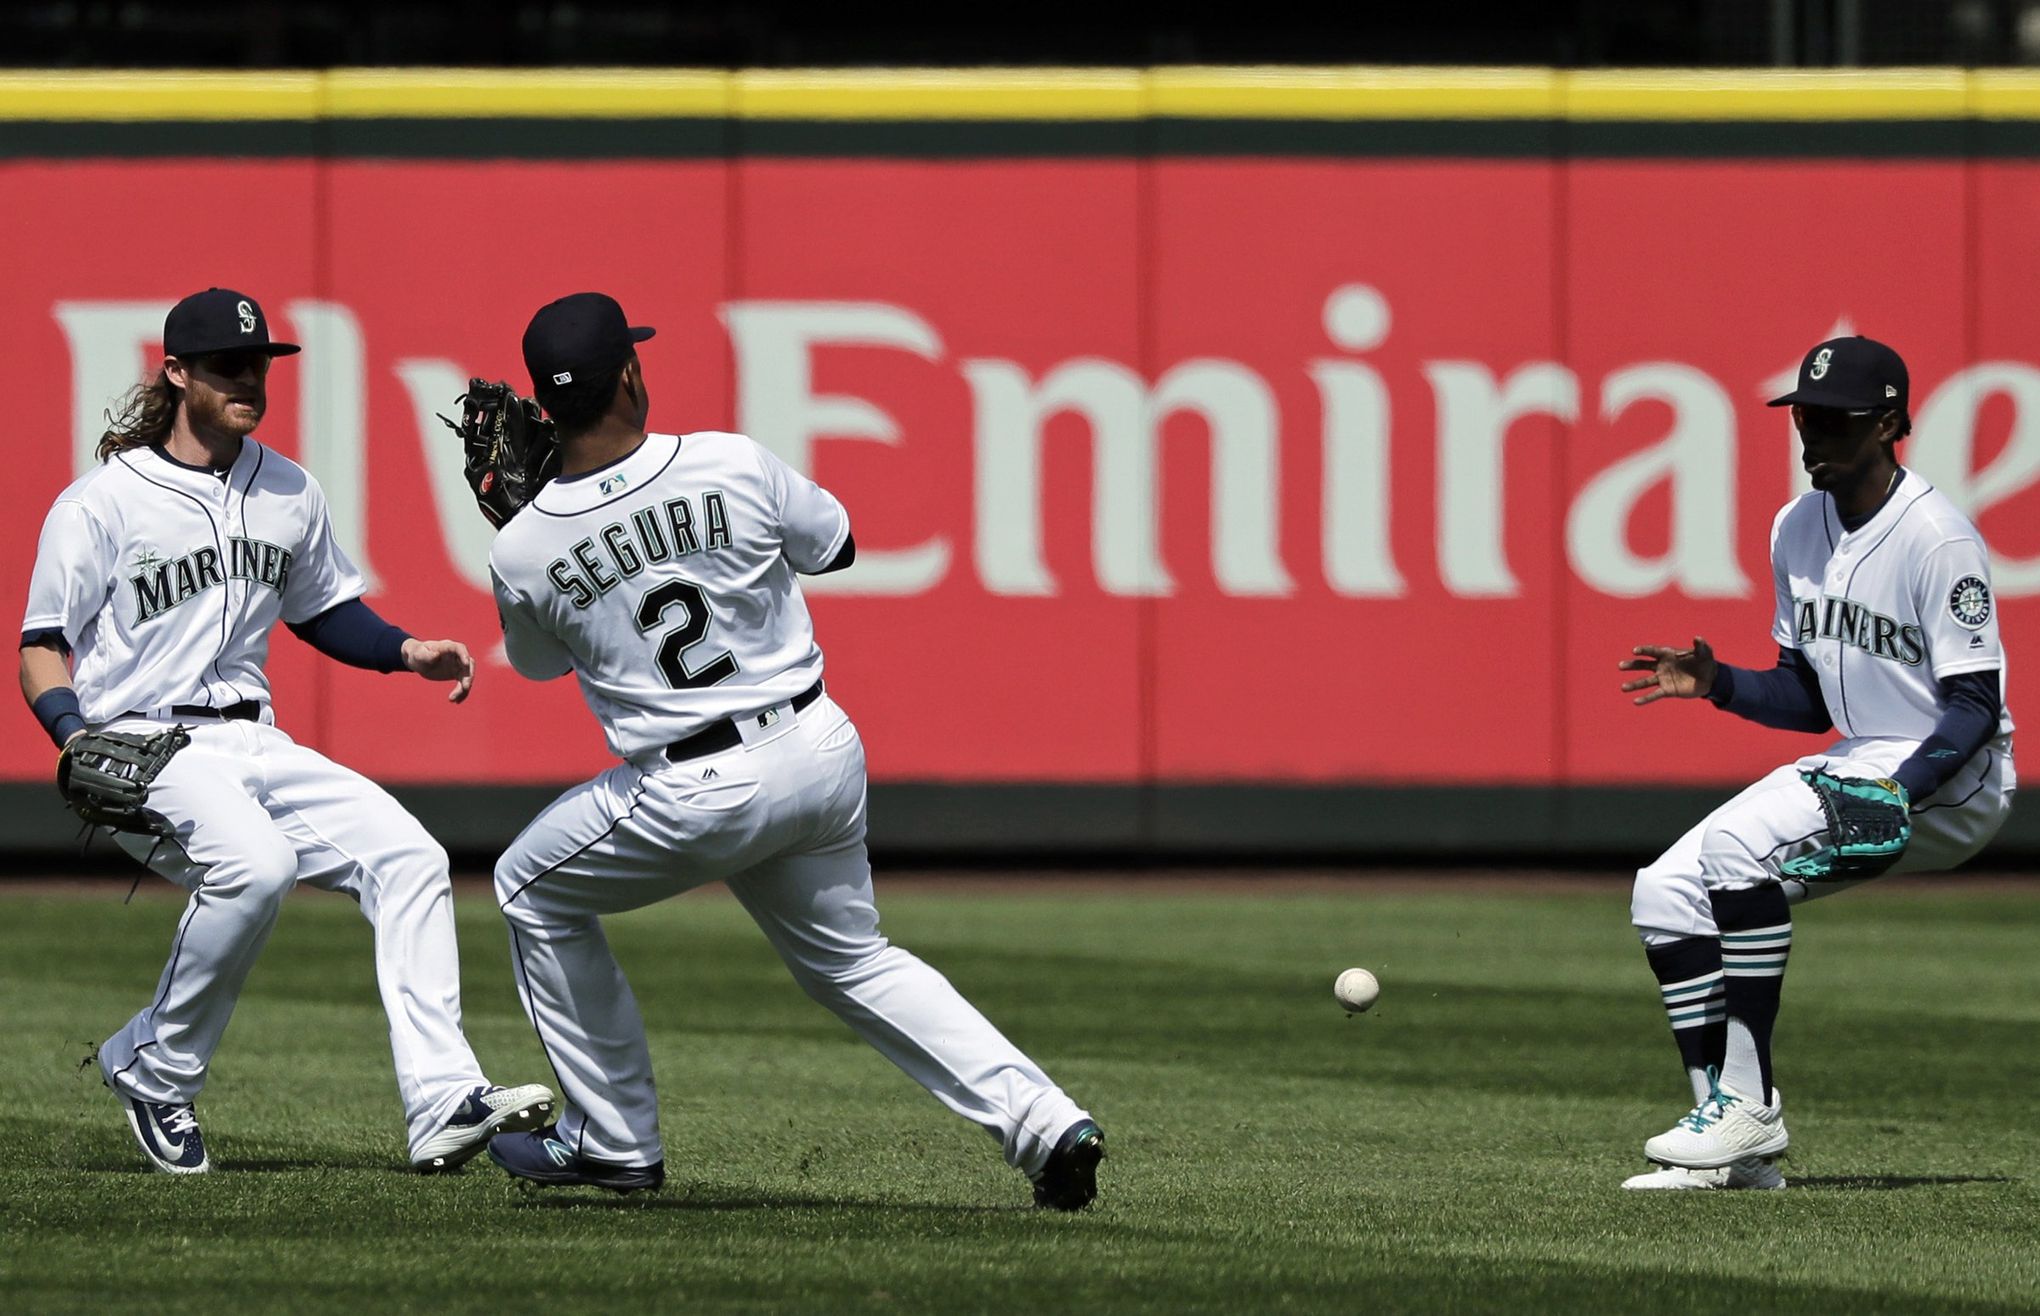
(1868, 826)
(105, 777)
(511, 448)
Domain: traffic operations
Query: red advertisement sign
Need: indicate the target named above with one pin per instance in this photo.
(1185, 470)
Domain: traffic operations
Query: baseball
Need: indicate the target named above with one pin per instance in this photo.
(1356, 990)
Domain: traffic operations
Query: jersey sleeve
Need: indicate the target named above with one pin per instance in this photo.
(322, 576)
(534, 652)
(1957, 609)
(1782, 627)
(74, 572)
(812, 523)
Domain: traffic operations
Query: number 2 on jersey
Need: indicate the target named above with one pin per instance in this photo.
(693, 628)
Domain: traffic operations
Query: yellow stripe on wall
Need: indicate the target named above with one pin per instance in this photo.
(940, 94)
(171, 95)
(1027, 94)
(545, 94)
(1355, 93)
(1786, 94)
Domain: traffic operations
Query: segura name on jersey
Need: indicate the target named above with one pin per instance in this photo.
(163, 583)
(1830, 618)
(622, 549)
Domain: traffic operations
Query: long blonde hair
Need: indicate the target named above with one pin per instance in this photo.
(147, 411)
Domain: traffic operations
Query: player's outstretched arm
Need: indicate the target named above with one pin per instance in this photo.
(1672, 673)
(442, 660)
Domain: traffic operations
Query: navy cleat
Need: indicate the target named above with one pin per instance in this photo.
(488, 1111)
(168, 1134)
(542, 1158)
(1069, 1181)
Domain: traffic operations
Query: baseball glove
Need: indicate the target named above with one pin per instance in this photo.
(1868, 825)
(511, 448)
(105, 777)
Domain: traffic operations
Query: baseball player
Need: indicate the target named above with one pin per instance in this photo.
(156, 582)
(659, 569)
(1887, 632)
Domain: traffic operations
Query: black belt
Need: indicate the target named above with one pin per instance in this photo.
(719, 736)
(246, 711)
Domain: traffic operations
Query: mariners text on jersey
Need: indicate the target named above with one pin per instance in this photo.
(1862, 626)
(162, 584)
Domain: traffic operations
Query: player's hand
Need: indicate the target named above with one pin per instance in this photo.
(1673, 673)
(442, 660)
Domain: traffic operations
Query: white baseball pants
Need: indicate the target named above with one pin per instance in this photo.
(256, 813)
(1748, 840)
(780, 819)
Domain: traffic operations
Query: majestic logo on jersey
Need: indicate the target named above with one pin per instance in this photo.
(618, 551)
(1818, 370)
(247, 314)
(1969, 603)
(1852, 623)
(163, 583)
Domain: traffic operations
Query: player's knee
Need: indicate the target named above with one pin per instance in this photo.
(263, 867)
(510, 878)
(827, 975)
(1728, 857)
(431, 855)
(1666, 903)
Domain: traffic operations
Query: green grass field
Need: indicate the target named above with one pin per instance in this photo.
(1457, 1149)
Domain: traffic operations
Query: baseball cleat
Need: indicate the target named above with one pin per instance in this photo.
(168, 1134)
(487, 1112)
(1069, 1180)
(1726, 1128)
(543, 1159)
(1752, 1172)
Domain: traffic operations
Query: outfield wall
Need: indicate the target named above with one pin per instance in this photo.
(1241, 461)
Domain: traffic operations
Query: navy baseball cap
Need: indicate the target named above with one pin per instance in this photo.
(1854, 374)
(219, 320)
(578, 335)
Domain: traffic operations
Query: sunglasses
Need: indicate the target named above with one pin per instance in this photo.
(1834, 422)
(232, 365)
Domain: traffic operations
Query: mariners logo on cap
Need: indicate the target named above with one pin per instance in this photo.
(1818, 370)
(247, 314)
(1969, 603)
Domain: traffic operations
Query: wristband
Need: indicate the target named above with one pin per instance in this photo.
(58, 711)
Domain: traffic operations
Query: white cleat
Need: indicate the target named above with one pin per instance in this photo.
(1751, 1172)
(487, 1112)
(1726, 1128)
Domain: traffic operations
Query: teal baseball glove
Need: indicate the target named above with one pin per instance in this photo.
(1868, 826)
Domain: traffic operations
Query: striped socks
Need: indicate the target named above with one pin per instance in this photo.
(1756, 940)
(1690, 979)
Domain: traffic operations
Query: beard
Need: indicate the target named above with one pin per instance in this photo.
(210, 411)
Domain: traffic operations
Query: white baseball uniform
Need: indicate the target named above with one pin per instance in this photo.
(665, 582)
(1883, 613)
(165, 580)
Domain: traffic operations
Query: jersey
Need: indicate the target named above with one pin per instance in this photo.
(165, 579)
(665, 582)
(1886, 611)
